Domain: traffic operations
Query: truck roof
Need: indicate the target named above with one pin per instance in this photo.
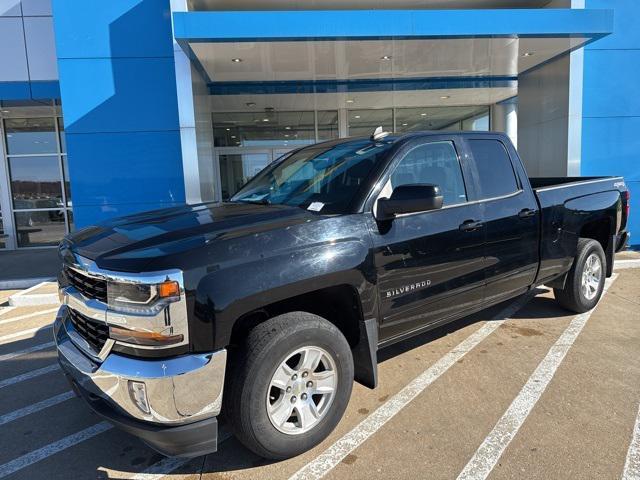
(396, 137)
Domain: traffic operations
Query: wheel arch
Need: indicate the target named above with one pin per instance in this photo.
(339, 304)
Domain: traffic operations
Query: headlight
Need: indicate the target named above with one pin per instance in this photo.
(140, 297)
(150, 320)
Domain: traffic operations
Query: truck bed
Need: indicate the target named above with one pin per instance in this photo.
(567, 205)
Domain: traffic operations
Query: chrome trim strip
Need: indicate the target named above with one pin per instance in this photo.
(579, 182)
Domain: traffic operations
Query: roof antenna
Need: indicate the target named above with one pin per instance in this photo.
(379, 134)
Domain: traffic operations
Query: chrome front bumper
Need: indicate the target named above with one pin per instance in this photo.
(178, 391)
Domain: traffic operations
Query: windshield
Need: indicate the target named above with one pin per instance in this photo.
(320, 178)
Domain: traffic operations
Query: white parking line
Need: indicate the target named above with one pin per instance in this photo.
(167, 465)
(22, 333)
(622, 264)
(36, 407)
(494, 445)
(632, 464)
(25, 351)
(52, 448)
(29, 375)
(333, 455)
(28, 315)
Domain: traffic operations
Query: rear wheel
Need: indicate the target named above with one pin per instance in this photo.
(289, 385)
(585, 280)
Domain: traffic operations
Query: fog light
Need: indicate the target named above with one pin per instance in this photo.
(138, 393)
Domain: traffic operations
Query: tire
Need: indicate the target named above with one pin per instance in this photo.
(251, 391)
(575, 296)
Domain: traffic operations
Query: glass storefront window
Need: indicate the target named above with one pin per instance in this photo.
(327, 125)
(63, 143)
(2, 234)
(33, 133)
(238, 169)
(35, 182)
(67, 182)
(27, 136)
(39, 228)
(251, 129)
(364, 122)
(441, 118)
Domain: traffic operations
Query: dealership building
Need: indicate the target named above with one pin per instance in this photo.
(113, 107)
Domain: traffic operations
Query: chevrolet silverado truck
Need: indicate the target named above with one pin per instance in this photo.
(262, 310)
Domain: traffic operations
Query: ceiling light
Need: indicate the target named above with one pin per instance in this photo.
(287, 128)
(350, 101)
(236, 60)
(286, 135)
(233, 136)
(527, 54)
(265, 119)
(444, 97)
(423, 114)
(5, 111)
(356, 116)
(228, 129)
(250, 104)
(385, 57)
(405, 124)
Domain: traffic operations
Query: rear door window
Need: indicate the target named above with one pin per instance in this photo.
(496, 177)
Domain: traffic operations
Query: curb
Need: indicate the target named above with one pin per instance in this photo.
(28, 299)
(21, 283)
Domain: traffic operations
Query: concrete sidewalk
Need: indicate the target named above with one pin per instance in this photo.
(26, 268)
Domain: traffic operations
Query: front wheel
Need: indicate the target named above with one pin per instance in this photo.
(585, 280)
(289, 385)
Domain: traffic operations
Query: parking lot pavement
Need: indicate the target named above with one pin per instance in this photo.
(524, 389)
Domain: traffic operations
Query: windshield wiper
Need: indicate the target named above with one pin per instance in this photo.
(262, 201)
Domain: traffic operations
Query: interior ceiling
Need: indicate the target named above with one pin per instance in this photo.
(360, 100)
(360, 4)
(363, 59)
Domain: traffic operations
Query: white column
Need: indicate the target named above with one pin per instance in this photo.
(504, 118)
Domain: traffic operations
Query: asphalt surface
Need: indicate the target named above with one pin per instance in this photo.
(522, 390)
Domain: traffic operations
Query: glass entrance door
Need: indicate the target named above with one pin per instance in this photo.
(239, 165)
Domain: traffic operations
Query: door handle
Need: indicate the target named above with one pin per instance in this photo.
(470, 225)
(526, 213)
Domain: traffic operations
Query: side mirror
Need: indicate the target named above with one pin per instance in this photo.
(409, 199)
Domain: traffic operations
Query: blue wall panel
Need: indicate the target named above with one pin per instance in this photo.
(118, 88)
(612, 147)
(626, 33)
(119, 94)
(611, 83)
(611, 105)
(112, 29)
(143, 171)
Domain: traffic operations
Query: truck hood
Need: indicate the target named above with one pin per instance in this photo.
(131, 243)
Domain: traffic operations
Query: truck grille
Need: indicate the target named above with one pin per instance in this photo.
(96, 334)
(90, 287)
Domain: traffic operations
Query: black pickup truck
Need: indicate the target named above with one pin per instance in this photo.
(264, 309)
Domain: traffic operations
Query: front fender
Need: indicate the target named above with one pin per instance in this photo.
(241, 285)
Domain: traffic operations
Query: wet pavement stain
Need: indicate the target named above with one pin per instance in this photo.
(363, 411)
(350, 459)
(383, 398)
(527, 332)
